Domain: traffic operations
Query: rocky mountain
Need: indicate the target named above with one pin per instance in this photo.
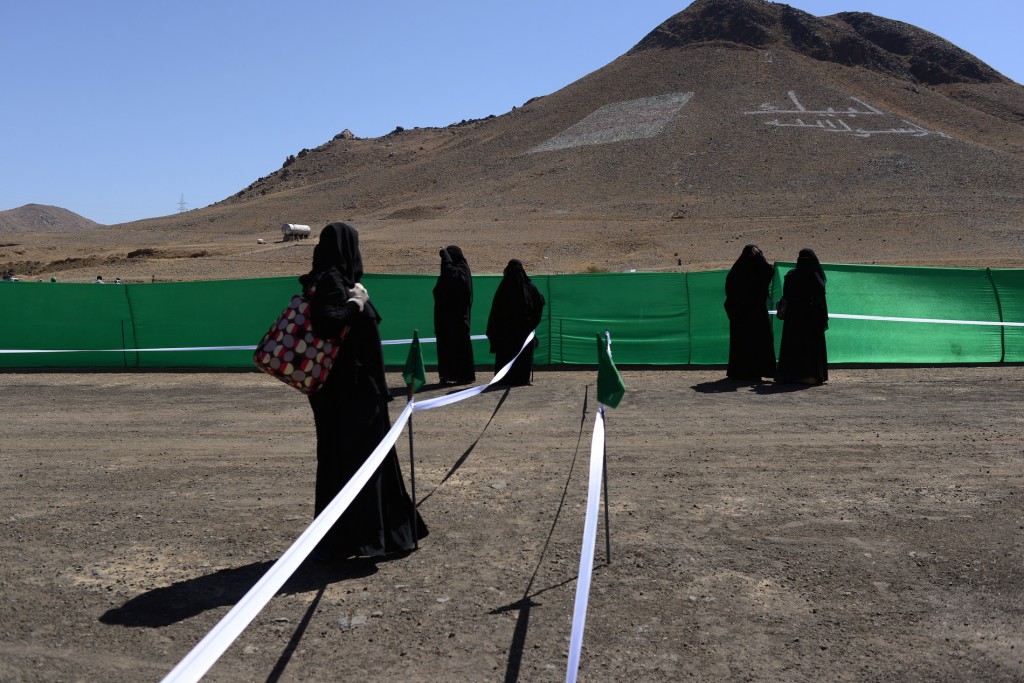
(849, 38)
(734, 121)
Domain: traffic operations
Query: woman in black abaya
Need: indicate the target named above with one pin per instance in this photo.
(453, 299)
(515, 312)
(751, 341)
(350, 412)
(802, 355)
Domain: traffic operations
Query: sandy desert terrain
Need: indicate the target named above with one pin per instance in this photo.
(867, 530)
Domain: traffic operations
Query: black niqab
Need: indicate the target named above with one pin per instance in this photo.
(515, 311)
(516, 288)
(458, 258)
(748, 279)
(803, 355)
(453, 302)
(807, 260)
(338, 248)
(751, 339)
(459, 271)
(350, 413)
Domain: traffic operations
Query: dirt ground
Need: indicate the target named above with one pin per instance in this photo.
(868, 530)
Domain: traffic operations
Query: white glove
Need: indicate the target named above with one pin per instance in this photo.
(359, 295)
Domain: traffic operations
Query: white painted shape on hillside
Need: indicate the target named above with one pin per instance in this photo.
(630, 120)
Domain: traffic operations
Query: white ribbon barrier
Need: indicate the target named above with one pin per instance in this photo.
(457, 396)
(169, 348)
(579, 612)
(937, 321)
(252, 347)
(851, 316)
(424, 340)
(208, 650)
(248, 347)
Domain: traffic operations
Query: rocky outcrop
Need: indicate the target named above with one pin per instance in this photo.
(849, 38)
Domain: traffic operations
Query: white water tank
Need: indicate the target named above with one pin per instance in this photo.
(294, 231)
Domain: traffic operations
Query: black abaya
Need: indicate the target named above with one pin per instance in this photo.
(350, 413)
(516, 310)
(751, 340)
(803, 356)
(453, 300)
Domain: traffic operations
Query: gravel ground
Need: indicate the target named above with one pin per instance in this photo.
(867, 530)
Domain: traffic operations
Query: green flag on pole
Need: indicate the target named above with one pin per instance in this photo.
(610, 386)
(414, 372)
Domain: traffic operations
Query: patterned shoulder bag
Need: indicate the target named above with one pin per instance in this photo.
(291, 352)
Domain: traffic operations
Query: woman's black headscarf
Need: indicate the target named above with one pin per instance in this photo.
(458, 286)
(750, 271)
(748, 252)
(458, 258)
(514, 282)
(338, 248)
(806, 282)
(746, 284)
(748, 259)
(807, 260)
(514, 308)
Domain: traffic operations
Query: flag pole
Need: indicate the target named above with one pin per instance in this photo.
(412, 464)
(412, 479)
(604, 475)
(610, 390)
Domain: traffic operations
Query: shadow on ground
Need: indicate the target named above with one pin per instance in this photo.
(185, 599)
(724, 385)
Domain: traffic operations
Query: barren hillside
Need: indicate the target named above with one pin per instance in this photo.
(734, 121)
(41, 218)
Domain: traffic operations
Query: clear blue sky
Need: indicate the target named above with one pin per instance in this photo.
(115, 109)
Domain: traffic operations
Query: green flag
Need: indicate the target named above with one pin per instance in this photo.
(610, 387)
(414, 372)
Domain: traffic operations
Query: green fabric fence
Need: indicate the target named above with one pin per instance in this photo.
(646, 314)
(919, 294)
(880, 314)
(1009, 286)
(200, 315)
(49, 317)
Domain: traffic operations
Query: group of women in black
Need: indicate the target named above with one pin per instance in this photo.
(350, 412)
(802, 354)
(515, 312)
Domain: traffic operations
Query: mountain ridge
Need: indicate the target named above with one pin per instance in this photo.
(670, 156)
(849, 38)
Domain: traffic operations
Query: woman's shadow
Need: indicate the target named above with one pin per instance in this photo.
(757, 386)
(185, 599)
(727, 385)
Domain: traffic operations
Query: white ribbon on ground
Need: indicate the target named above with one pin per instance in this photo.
(579, 613)
(208, 650)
